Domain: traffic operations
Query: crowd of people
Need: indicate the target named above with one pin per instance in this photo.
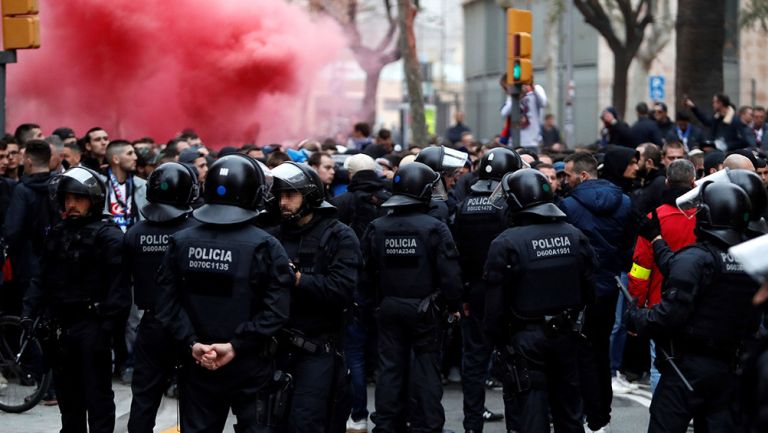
(283, 279)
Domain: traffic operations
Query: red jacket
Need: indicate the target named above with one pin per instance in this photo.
(645, 279)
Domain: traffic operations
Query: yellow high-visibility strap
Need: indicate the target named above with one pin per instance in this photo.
(640, 272)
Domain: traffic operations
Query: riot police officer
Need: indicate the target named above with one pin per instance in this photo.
(82, 289)
(326, 257)
(411, 262)
(752, 256)
(704, 316)
(172, 188)
(478, 223)
(531, 311)
(446, 162)
(224, 294)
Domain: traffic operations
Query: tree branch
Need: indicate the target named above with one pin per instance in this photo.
(595, 15)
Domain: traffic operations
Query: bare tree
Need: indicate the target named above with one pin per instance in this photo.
(622, 25)
(754, 13)
(407, 10)
(370, 59)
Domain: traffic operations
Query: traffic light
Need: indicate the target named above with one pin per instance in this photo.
(21, 25)
(519, 47)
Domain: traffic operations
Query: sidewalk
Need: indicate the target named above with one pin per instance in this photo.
(630, 413)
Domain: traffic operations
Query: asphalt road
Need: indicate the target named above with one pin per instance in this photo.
(630, 413)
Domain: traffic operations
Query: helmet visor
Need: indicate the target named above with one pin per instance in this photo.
(690, 202)
(751, 255)
(499, 196)
(453, 159)
(290, 175)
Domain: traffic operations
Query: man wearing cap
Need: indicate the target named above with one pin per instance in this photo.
(224, 294)
(713, 162)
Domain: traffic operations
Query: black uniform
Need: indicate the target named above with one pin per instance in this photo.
(224, 283)
(327, 254)
(477, 225)
(154, 350)
(82, 288)
(531, 308)
(409, 258)
(705, 314)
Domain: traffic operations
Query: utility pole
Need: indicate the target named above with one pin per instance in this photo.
(570, 92)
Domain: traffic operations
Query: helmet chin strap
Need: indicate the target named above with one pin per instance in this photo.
(303, 211)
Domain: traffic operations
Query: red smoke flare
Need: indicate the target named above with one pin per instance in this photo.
(230, 69)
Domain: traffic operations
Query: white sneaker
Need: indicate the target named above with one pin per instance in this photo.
(604, 429)
(618, 387)
(357, 426)
(626, 383)
(454, 375)
(3, 382)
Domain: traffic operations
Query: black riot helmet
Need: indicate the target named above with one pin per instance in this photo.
(171, 188)
(291, 176)
(234, 191)
(442, 159)
(412, 184)
(724, 212)
(493, 166)
(750, 182)
(526, 191)
(81, 181)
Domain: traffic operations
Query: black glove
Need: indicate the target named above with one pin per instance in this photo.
(649, 227)
(27, 324)
(630, 317)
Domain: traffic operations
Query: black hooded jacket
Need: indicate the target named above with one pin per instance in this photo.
(650, 196)
(30, 216)
(361, 203)
(615, 163)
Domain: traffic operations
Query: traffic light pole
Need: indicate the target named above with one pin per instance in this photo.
(514, 116)
(6, 57)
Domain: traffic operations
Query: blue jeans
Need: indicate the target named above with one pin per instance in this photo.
(655, 373)
(354, 350)
(619, 331)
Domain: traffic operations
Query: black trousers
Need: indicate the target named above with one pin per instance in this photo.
(554, 372)
(155, 359)
(82, 372)
(714, 401)
(476, 357)
(595, 360)
(207, 396)
(409, 362)
(313, 379)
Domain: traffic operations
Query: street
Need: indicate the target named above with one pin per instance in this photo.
(630, 413)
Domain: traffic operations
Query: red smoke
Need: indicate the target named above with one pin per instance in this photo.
(229, 69)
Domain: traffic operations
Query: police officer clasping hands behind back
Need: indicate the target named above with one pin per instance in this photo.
(225, 293)
(412, 262)
(538, 278)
